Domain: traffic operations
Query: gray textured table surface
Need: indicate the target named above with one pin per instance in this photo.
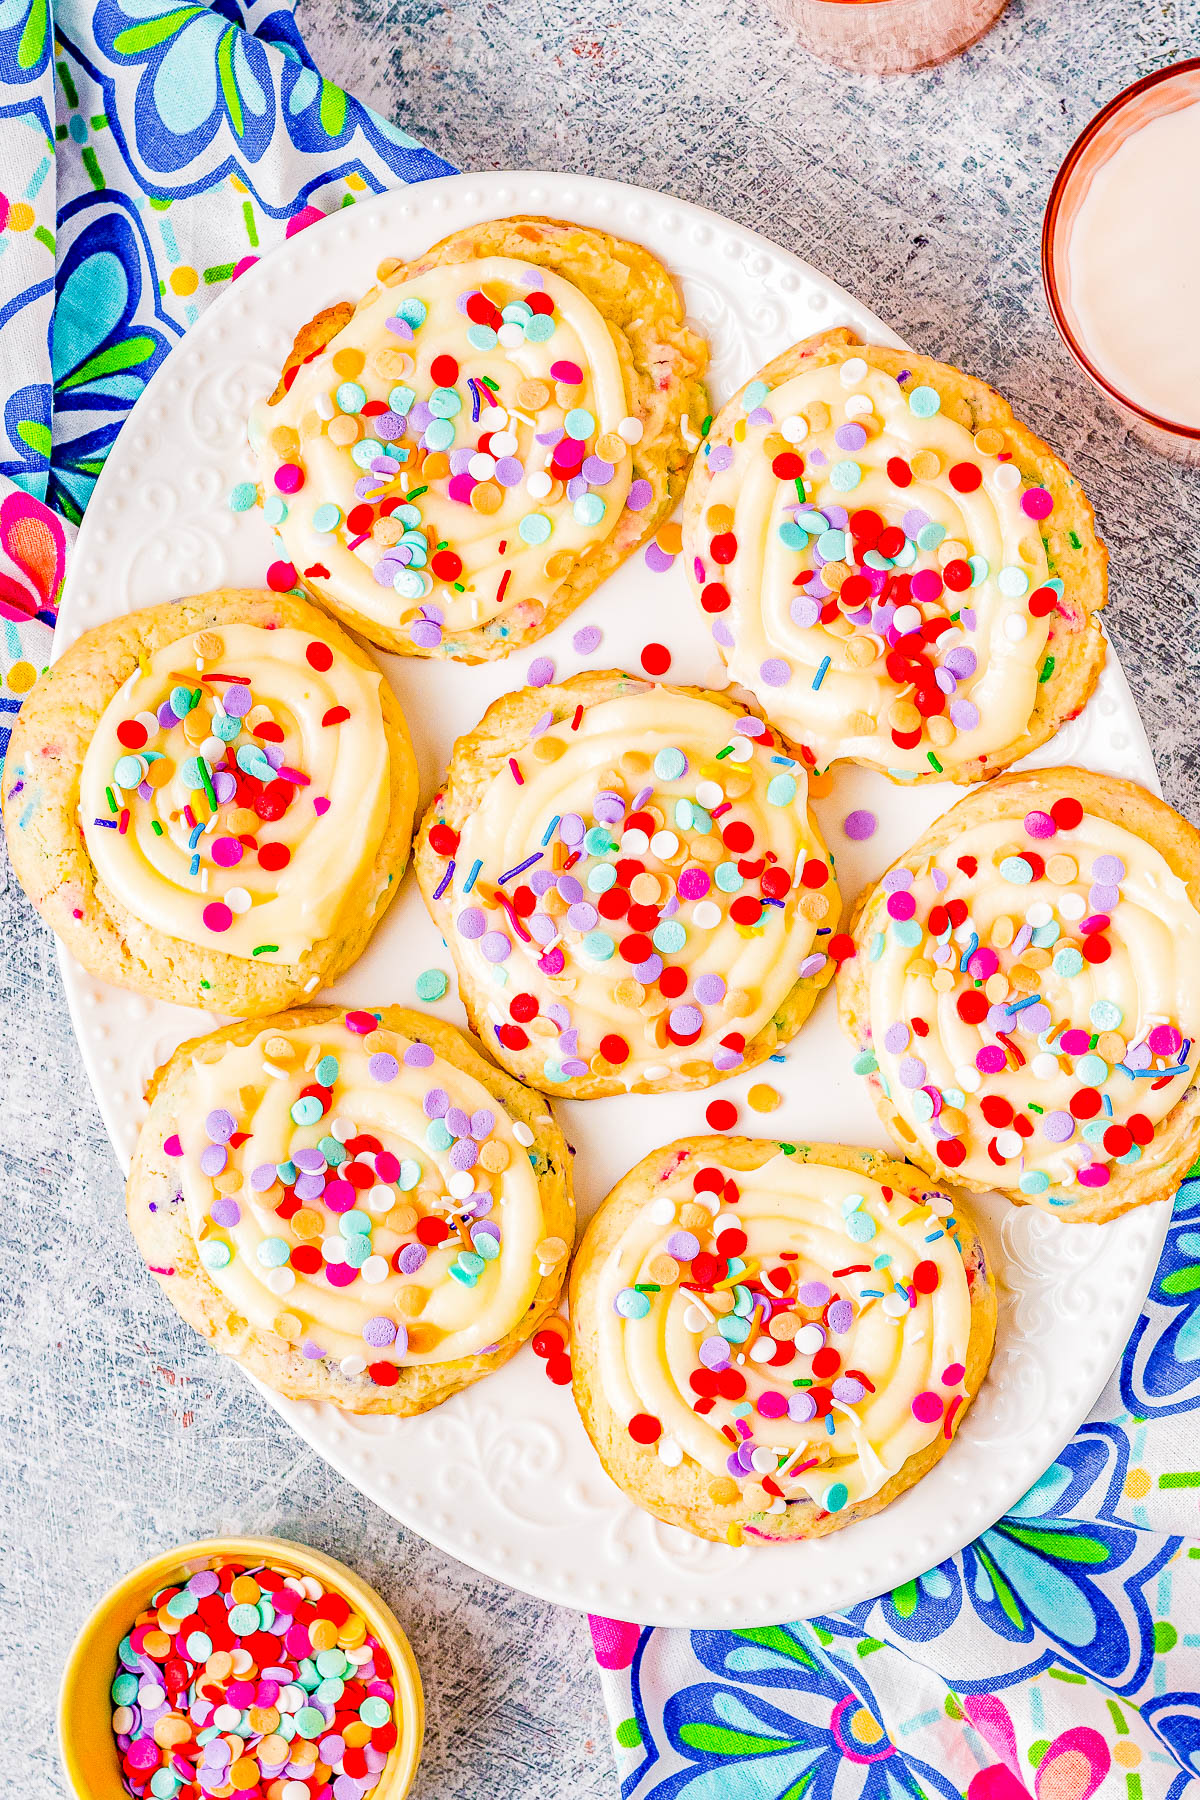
(119, 1432)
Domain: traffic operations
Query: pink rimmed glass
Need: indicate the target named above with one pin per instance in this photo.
(1166, 91)
(888, 37)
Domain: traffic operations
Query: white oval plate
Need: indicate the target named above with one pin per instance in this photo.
(502, 1476)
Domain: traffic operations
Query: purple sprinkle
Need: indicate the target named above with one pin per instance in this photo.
(412, 1258)
(382, 1066)
(1058, 1127)
(436, 1103)
(860, 825)
(840, 1316)
(471, 922)
(541, 671)
(657, 561)
(805, 613)
(962, 662)
(686, 1020)
(426, 634)
(263, 1177)
(775, 672)
(496, 947)
(683, 1245)
(225, 1212)
(640, 495)
(213, 1159)
(586, 639)
(418, 1056)
(220, 1125)
(379, 1332)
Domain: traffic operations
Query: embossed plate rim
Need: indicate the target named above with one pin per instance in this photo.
(462, 1475)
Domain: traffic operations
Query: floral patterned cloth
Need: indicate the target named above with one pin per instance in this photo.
(1058, 1656)
(150, 150)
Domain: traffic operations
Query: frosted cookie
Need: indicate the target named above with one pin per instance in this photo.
(356, 1207)
(1025, 996)
(455, 462)
(770, 1341)
(633, 889)
(900, 572)
(212, 800)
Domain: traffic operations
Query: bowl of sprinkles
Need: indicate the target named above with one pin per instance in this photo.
(240, 1668)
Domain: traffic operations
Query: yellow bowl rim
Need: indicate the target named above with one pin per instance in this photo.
(130, 1593)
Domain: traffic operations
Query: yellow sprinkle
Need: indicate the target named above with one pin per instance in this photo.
(763, 1097)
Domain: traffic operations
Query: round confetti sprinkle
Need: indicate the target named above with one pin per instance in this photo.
(655, 659)
(432, 984)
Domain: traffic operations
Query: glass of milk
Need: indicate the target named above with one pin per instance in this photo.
(887, 37)
(1121, 257)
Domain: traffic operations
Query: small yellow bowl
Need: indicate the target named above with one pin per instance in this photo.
(85, 1734)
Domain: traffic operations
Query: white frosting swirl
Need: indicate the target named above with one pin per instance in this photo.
(249, 819)
(622, 898)
(811, 614)
(336, 1255)
(1058, 1005)
(890, 1350)
(467, 515)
